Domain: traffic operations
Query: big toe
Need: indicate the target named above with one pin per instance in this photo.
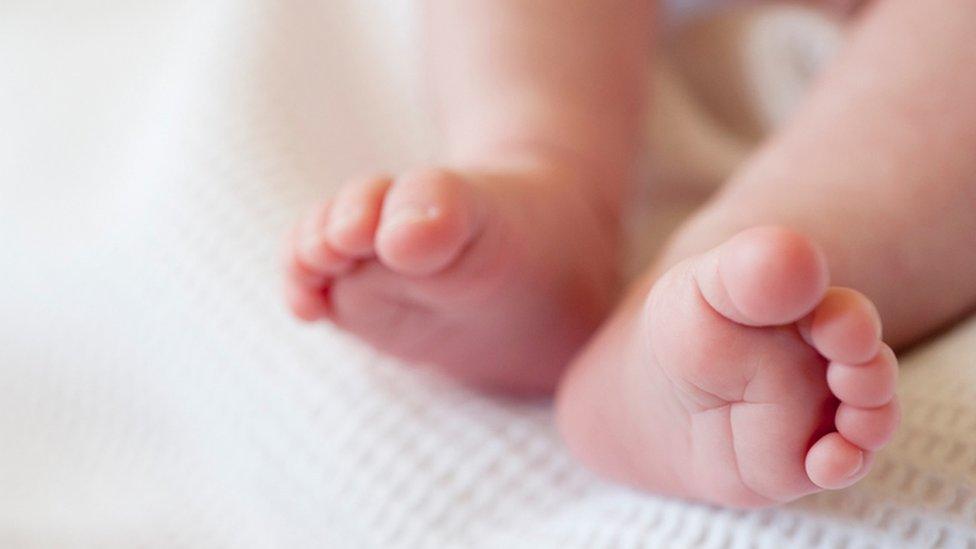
(764, 276)
(427, 219)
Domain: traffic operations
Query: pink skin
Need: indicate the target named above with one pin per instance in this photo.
(700, 386)
(732, 374)
(733, 359)
(459, 272)
(497, 269)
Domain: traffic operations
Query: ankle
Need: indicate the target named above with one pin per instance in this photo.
(601, 182)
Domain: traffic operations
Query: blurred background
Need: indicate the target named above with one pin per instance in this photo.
(153, 390)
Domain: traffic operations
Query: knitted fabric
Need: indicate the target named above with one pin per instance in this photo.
(155, 393)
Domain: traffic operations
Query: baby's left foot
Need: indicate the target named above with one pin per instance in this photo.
(494, 275)
(738, 379)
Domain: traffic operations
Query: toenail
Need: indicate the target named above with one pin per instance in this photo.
(411, 215)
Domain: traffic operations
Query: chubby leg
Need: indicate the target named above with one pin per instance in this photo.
(496, 264)
(731, 374)
(877, 167)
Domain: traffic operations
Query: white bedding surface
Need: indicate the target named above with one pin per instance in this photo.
(153, 391)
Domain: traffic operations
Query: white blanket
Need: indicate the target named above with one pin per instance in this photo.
(154, 392)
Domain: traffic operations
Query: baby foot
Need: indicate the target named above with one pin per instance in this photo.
(495, 276)
(738, 379)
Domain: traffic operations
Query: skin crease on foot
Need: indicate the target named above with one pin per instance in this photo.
(739, 378)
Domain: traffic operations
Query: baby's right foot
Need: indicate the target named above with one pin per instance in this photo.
(495, 276)
(738, 379)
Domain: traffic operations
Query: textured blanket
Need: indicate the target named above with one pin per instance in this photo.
(154, 392)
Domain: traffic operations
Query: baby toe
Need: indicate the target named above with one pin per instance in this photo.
(297, 272)
(868, 385)
(869, 428)
(306, 303)
(312, 248)
(354, 216)
(845, 327)
(426, 220)
(834, 462)
(764, 276)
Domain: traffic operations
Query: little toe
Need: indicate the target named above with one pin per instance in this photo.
(845, 327)
(869, 428)
(834, 462)
(312, 248)
(305, 302)
(763, 277)
(428, 217)
(298, 273)
(868, 385)
(354, 216)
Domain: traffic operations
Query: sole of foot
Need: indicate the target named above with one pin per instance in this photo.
(739, 378)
